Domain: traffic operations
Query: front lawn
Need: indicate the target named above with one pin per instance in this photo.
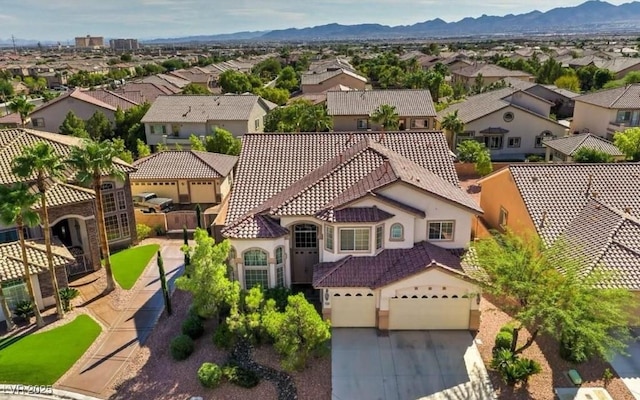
(42, 358)
(127, 265)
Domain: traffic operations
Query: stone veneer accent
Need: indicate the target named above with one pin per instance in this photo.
(46, 285)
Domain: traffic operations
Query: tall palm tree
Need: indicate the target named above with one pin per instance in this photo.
(387, 117)
(16, 204)
(22, 106)
(453, 126)
(41, 162)
(92, 161)
(317, 119)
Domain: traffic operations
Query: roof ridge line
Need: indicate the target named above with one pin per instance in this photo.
(338, 265)
(627, 87)
(204, 162)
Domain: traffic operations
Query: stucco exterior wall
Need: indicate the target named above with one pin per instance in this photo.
(348, 123)
(342, 79)
(237, 128)
(526, 100)
(55, 114)
(240, 246)
(167, 188)
(593, 118)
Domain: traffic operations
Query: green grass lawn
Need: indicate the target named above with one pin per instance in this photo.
(42, 358)
(127, 265)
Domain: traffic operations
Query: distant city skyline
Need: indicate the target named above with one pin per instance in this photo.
(59, 20)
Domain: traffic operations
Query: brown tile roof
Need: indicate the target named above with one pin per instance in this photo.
(190, 164)
(408, 102)
(318, 78)
(255, 226)
(59, 194)
(554, 194)
(478, 106)
(13, 118)
(203, 108)
(354, 214)
(570, 144)
(622, 97)
(77, 94)
(488, 71)
(11, 259)
(111, 98)
(601, 236)
(391, 265)
(145, 91)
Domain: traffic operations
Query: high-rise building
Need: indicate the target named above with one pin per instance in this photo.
(89, 42)
(123, 44)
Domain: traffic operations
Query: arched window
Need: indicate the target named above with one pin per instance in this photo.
(397, 232)
(256, 268)
(280, 279)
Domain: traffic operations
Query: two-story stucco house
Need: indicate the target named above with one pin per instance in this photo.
(511, 123)
(173, 119)
(606, 112)
(318, 82)
(375, 222)
(490, 73)
(351, 110)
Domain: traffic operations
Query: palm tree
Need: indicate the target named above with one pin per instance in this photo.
(92, 161)
(42, 163)
(387, 117)
(453, 125)
(317, 119)
(16, 209)
(22, 106)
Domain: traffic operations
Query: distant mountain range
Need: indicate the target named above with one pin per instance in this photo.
(593, 16)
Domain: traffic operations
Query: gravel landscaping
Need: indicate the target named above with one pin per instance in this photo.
(153, 374)
(545, 351)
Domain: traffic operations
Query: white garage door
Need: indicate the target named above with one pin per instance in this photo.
(429, 313)
(353, 310)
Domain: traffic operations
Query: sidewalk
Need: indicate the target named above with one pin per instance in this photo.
(127, 329)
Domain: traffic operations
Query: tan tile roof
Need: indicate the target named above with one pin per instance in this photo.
(184, 164)
(488, 71)
(203, 108)
(59, 194)
(111, 98)
(318, 78)
(570, 144)
(77, 94)
(478, 106)
(11, 259)
(408, 103)
(627, 97)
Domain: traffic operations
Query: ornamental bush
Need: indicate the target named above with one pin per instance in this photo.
(193, 327)
(240, 376)
(223, 337)
(503, 341)
(181, 347)
(209, 375)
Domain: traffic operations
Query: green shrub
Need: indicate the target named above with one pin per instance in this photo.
(508, 327)
(159, 230)
(223, 337)
(240, 376)
(66, 295)
(534, 158)
(193, 327)
(181, 347)
(23, 309)
(513, 369)
(210, 375)
(143, 231)
(280, 294)
(573, 349)
(503, 341)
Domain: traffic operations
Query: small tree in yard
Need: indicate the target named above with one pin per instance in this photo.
(207, 276)
(629, 143)
(587, 155)
(297, 332)
(548, 291)
(163, 284)
(477, 153)
(185, 238)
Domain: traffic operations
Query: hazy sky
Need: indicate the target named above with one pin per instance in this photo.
(65, 19)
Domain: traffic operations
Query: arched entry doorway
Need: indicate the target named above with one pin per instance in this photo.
(304, 251)
(72, 233)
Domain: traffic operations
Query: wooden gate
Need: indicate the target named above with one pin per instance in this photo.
(176, 220)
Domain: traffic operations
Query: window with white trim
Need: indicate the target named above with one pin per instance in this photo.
(37, 122)
(328, 237)
(396, 232)
(441, 230)
(158, 129)
(419, 123)
(379, 237)
(513, 142)
(280, 280)
(256, 269)
(542, 137)
(15, 291)
(355, 239)
(493, 142)
(109, 202)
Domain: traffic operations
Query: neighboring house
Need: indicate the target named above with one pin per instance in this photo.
(14, 287)
(510, 122)
(114, 99)
(71, 208)
(608, 111)
(562, 99)
(186, 177)
(173, 82)
(563, 149)
(49, 116)
(490, 74)
(142, 92)
(620, 66)
(173, 119)
(351, 110)
(456, 62)
(10, 121)
(377, 222)
(322, 81)
(197, 76)
(595, 208)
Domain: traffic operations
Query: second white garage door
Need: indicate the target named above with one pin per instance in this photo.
(429, 313)
(353, 311)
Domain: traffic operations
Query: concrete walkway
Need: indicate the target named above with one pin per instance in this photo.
(127, 329)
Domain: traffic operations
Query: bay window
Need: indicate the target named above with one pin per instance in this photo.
(355, 239)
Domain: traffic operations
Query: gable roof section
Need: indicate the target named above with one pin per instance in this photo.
(11, 266)
(390, 266)
(190, 164)
(408, 102)
(622, 97)
(478, 106)
(554, 194)
(78, 95)
(318, 78)
(112, 98)
(354, 214)
(488, 71)
(202, 108)
(569, 145)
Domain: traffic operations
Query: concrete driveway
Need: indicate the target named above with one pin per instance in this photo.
(407, 365)
(628, 367)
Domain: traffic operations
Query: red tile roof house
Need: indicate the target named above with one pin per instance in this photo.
(374, 221)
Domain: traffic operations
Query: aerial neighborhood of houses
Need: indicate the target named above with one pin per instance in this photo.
(392, 188)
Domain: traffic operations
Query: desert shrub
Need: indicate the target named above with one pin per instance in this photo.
(23, 309)
(223, 337)
(193, 327)
(513, 369)
(240, 376)
(66, 295)
(503, 341)
(508, 327)
(181, 347)
(573, 349)
(143, 231)
(159, 230)
(209, 375)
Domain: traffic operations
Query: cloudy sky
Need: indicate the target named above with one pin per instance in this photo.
(64, 19)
